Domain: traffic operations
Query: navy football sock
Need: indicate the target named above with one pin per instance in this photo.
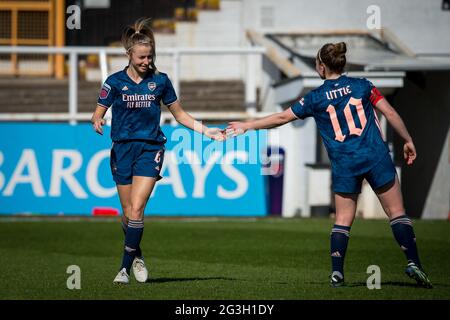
(339, 241)
(124, 229)
(132, 239)
(404, 234)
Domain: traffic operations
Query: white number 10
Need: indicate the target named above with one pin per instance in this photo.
(349, 117)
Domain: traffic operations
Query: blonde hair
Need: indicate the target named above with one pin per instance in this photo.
(333, 56)
(140, 33)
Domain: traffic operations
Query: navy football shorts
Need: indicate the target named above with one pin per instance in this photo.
(135, 158)
(380, 175)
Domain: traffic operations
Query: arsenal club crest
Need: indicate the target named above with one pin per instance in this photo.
(151, 86)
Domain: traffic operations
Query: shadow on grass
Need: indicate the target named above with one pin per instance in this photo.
(397, 284)
(386, 283)
(163, 280)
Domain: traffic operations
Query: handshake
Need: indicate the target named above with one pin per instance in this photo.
(234, 129)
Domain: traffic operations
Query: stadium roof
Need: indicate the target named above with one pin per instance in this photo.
(365, 52)
(383, 60)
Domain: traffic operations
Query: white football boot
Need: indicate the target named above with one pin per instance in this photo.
(140, 270)
(122, 277)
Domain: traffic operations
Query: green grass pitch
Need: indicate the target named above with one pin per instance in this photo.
(188, 259)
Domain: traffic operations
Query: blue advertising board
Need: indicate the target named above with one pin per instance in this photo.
(51, 169)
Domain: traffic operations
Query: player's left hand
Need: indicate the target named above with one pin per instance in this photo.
(215, 134)
(409, 152)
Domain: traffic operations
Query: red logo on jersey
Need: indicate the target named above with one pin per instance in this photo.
(105, 91)
(151, 86)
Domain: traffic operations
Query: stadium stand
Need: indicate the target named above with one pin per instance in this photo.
(51, 95)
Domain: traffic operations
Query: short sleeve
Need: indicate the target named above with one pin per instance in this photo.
(303, 108)
(375, 94)
(107, 94)
(169, 96)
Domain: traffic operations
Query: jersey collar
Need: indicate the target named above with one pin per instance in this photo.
(341, 77)
(127, 77)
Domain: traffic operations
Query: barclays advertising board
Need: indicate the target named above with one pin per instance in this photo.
(60, 169)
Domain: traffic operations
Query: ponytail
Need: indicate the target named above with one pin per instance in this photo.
(140, 33)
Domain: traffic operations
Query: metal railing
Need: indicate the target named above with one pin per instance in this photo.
(74, 51)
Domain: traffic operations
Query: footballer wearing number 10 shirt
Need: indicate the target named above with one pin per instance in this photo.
(344, 111)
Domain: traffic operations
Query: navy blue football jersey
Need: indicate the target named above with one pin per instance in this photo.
(344, 112)
(135, 106)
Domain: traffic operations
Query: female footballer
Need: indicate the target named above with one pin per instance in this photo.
(137, 154)
(343, 108)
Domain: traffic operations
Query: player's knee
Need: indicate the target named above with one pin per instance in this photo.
(127, 210)
(344, 219)
(136, 211)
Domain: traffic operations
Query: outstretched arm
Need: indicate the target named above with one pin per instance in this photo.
(188, 121)
(274, 120)
(394, 119)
